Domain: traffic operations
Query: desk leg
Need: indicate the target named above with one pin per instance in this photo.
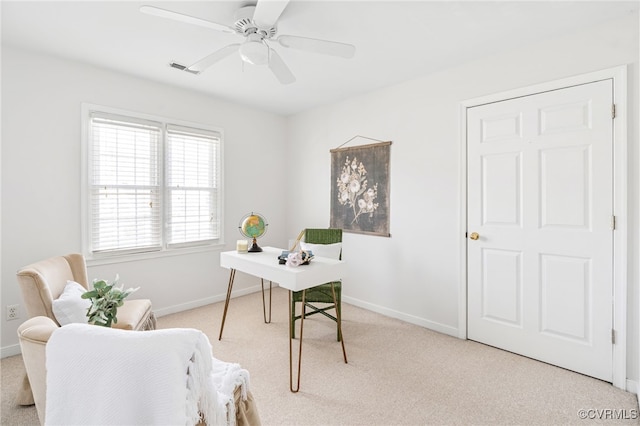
(264, 309)
(232, 275)
(291, 345)
(338, 317)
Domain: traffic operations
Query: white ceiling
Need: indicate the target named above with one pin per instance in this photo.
(395, 41)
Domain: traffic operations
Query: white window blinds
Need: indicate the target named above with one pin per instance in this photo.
(192, 185)
(152, 185)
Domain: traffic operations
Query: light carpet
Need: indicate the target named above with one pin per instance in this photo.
(398, 374)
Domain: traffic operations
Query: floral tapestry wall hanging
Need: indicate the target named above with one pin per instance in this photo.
(360, 189)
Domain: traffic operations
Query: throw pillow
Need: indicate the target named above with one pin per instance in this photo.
(70, 307)
(332, 251)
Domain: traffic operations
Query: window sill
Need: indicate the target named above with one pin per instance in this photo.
(134, 257)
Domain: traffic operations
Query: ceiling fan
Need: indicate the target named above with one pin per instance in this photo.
(258, 25)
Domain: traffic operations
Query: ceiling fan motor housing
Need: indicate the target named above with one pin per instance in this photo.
(245, 25)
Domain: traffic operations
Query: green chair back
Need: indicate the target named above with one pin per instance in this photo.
(323, 292)
(323, 236)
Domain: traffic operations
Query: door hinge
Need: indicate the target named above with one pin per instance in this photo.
(613, 336)
(613, 223)
(613, 111)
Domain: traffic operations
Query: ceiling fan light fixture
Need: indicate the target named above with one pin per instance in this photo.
(255, 52)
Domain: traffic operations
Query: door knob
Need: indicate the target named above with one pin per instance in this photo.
(474, 236)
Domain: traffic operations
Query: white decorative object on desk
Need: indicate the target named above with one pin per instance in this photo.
(242, 246)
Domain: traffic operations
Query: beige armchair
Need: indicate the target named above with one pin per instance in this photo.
(44, 281)
(34, 335)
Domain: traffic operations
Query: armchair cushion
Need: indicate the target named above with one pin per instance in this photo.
(130, 314)
(70, 307)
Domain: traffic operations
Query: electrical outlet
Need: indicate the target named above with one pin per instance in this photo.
(12, 312)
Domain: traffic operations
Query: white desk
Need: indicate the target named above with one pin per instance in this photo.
(265, 266)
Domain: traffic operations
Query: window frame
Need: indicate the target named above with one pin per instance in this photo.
(165, 248)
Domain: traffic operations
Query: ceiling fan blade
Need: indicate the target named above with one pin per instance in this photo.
(280, 69)
(211, 59)
(315, 45)
(156, 11)
(268, 11)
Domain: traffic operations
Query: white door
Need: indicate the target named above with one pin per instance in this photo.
(540, 197)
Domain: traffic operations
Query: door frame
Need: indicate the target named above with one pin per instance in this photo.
(620, 195)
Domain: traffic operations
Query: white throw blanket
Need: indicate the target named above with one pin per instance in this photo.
(104, 376)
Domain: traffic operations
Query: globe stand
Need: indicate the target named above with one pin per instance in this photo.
(254, 247)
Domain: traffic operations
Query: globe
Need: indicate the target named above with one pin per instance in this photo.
(253, 226)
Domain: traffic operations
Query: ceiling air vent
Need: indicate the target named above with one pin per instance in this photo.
(182, 67)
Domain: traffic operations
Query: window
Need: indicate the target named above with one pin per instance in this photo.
(153, 184)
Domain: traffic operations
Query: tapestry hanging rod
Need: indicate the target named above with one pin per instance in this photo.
(379, 142)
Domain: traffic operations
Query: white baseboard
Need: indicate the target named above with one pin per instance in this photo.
(632, 386)
(431, 325)
(10, 350)
(202, 302)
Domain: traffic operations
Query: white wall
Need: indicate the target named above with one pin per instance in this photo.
(41, 99)
(415, 274)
